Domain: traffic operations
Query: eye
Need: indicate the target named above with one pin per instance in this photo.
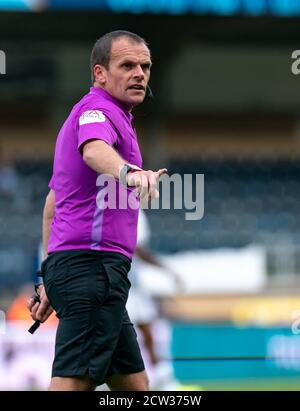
(127, 66)
(146, 66)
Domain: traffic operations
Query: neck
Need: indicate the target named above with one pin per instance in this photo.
(127, 108)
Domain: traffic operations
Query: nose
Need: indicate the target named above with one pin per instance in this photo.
(139, 72)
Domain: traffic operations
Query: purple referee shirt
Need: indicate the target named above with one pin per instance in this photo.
(81, 220)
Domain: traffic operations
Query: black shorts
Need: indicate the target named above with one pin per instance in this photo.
(95, 337)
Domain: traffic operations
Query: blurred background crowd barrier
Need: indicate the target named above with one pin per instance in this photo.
(226, 105)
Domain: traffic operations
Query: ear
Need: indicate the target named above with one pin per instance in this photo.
(99, 74)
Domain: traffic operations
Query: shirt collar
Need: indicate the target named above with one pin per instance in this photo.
(103, 93)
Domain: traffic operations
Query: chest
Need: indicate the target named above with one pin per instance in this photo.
(127, 144)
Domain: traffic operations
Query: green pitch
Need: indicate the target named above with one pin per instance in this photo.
(274, 384)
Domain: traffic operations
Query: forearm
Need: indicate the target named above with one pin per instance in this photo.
(102, 158)
(46, 234)
(48, 216)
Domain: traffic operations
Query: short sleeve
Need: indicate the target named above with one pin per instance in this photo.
(51, 183)
(94, 124)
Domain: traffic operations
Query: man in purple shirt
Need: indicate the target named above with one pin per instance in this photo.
(90, 244)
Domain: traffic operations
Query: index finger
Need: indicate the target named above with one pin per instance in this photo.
(30, 303)
(160, 172)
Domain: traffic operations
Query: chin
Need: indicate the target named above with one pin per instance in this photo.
(133, 101)
(136, 101)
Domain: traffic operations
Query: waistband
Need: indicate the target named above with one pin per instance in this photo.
(73, 256)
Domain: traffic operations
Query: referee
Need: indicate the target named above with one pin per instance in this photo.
(90, 246)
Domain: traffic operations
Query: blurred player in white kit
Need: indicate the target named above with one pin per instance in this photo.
(143, 310)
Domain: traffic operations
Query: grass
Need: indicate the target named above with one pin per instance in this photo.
(274, 384)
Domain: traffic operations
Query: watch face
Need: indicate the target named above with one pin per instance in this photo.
(125, 170)
(123, 173)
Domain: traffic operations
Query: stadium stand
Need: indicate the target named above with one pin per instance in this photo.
(245, 202)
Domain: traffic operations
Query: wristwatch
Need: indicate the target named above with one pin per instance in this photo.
(127, 168)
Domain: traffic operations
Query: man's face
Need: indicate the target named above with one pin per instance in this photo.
(128, 73)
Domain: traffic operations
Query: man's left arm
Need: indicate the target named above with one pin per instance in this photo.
(41, 310)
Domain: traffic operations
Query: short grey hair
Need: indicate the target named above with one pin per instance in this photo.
(102, 48)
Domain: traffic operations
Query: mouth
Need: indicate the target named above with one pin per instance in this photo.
(137, 87)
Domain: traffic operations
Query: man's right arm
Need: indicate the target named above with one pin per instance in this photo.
(102, 158)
